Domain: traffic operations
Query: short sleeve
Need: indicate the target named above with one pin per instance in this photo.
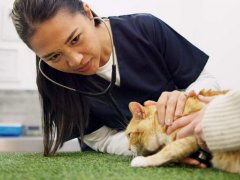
(184, 60)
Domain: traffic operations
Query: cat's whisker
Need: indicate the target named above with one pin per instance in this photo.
(134, 154)
(130, 159)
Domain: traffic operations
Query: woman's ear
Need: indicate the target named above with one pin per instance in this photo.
(87, 10)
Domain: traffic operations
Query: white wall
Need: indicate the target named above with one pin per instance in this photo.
(213, 26)
(17, 65)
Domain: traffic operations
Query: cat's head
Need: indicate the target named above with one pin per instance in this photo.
(142, 131)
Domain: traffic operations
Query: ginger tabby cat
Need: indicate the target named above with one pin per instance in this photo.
(147, 138)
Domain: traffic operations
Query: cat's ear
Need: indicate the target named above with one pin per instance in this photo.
(137, 110)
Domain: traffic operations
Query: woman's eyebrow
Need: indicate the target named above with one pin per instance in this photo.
(48, 55)
(71, 36)
(68, 39)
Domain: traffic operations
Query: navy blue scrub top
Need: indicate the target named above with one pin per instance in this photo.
(152, 58)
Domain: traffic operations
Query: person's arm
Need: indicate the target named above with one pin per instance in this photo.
(221, 122)
(108, 140)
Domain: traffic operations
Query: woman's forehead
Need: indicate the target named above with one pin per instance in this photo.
(55, 31)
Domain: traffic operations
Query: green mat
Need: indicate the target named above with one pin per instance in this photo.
(95, 166)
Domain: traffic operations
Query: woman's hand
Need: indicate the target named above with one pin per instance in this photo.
(193, 162)
(191, 125)
(187, 124)
(169, 106)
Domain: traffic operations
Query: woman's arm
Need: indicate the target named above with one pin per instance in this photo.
(108, 140)
(221, 122)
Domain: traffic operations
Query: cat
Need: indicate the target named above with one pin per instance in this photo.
(147, 138)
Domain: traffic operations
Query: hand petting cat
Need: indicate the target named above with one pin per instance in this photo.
(191, 125)
(169, 106)
(156, 145)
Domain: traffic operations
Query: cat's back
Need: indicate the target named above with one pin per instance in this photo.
(227, 160)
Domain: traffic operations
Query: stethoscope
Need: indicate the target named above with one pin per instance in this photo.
(107, 91)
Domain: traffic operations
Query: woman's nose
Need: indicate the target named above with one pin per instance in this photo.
(74, 60)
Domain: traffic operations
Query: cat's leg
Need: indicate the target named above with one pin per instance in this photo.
(173, 151)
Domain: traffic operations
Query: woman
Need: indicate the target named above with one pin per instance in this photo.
(77, 48)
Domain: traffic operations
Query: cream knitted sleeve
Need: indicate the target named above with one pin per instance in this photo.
(221, 122)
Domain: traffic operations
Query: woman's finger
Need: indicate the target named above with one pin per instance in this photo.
(179, 123)
(193, 162)
(189, 129)
(186, 131)
(161, 107)
(190, 161)
(171, 107)
(180, 104)
(192, 93)
(150, 103)
(206, 99)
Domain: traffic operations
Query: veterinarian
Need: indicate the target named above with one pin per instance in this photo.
(89, 69)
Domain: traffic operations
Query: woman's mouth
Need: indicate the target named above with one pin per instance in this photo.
(85, 67)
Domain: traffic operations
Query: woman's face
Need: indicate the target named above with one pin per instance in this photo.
(69, 43)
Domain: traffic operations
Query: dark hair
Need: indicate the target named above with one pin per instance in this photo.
(64, 112)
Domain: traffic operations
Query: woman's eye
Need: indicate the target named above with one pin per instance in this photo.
(75, 40)
(54, 57)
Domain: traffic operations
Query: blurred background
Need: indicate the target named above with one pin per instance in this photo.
(213, 26)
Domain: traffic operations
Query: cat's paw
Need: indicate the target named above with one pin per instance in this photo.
(139, 161)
